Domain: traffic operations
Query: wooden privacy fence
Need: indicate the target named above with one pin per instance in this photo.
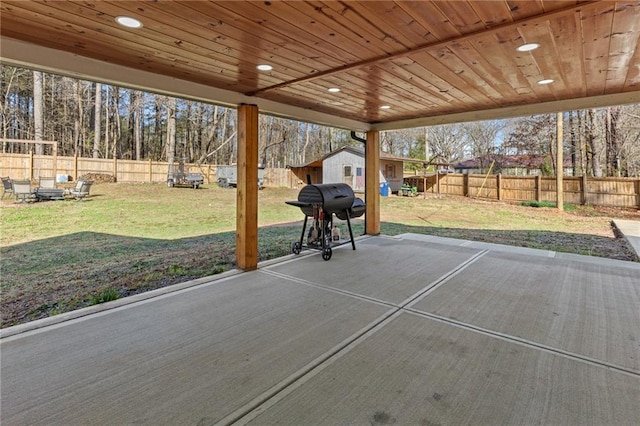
(614, 192)
(31, 166)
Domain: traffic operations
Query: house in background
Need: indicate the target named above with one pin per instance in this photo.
(346, 165)
(515, 165)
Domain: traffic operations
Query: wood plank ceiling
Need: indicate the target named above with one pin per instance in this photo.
(396, 63)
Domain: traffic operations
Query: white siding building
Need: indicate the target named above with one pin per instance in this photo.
(346, 165)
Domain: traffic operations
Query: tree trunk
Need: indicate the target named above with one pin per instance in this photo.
(136, 127)
(97, 120)
(77, 122)
(38, 113)
(592, 143)
(171, 130)
(612, 141)
(573, 143)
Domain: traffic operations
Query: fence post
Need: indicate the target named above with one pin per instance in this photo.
(150, 171)
(31, 164)
(638, 192)
(499, 185)
(584, 189)
(538, 188)
(465, 184)
(115, 169)
(75, 167)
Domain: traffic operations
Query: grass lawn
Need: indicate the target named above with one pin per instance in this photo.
(58, 256)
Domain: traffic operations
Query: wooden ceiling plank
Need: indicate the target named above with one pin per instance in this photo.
(341, 18)
(492, 13)
(405, 71)
(199, 34)
(623, 44)
(462, 15)
(437, 73)
(566, 32)
(113, 37)
(392, 90)
(449, 58)
(521, 9)
(357, 83)
(525, 80)
(468, 36)
(396, 23)
(431, 17)
(484, 67)
(94, 45)
(289, 18)
(550, 5)
(274, 44)
(546, 56)
(596, 27)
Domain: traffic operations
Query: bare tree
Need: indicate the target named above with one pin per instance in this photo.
(38, 113)
(171, 129)
(97, 120)
(612, 140)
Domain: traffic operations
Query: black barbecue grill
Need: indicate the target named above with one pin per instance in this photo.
(320, 202)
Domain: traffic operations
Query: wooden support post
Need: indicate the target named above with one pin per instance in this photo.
(150, 171)
(559, 164)
(539, 188)
(584, 188)
(372, 183)
(115, 168)
(438, 183)
(75, 167)
(247, 189)
(499, 186)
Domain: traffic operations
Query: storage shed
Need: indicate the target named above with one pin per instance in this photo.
(346, 165)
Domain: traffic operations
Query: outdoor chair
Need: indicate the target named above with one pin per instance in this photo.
(47, 183)
(22, 190)
(81, 190)
(7, 186)
(47, 190)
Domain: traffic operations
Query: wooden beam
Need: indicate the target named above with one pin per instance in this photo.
(247, 189)
(372, 183)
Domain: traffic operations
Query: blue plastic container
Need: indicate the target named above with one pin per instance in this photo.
(384, 189)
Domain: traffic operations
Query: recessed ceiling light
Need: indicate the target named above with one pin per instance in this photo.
(264, 67)
(129, 22)
(547, 81)
(334, 89)
(385, 107)
(528, 47)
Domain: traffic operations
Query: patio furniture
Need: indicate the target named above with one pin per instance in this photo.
(81, 190)
(47, 190)
(22, 190)
(7, 186)
(47, 183)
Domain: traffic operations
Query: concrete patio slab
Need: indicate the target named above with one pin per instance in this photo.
(404, 330)
(178, 359)
(631, 231)
(386, 269)
(584, 308)
(417, 371)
